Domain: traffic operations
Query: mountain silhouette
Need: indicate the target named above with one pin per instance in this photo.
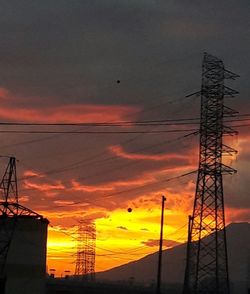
(144, 270)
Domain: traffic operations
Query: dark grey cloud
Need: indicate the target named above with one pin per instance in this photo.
(166, 243)
(237, 190)
(72, 52)
(122, 228)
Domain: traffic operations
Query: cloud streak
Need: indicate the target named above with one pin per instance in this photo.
(120, 152)
(76, 113)
(166, 243)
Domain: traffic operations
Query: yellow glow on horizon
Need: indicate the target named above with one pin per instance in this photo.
(120, 238)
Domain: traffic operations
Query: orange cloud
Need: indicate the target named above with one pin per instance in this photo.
(23, 198)
(31, 174)
(112, 185)
(44, 187)
(64, 202)
(69, 113)
(243, 144)
(88, 188)
(3, 93)
(118, 150)
(237, 214)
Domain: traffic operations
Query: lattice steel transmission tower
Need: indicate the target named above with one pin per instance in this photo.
(85, 255)
(8, 189)
(207, 265)
(10, 210)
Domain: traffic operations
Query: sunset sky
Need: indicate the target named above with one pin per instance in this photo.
(107, 61)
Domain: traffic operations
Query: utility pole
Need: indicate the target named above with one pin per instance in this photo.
(186, 282)
(158, 286)
(207, 264)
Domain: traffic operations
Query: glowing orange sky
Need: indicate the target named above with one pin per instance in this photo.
(121, 236)
(61, 62)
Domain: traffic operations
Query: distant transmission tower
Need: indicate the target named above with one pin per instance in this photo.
(207, 265)
(85, 255)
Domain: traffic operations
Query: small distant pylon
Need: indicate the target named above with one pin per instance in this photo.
(85, 255)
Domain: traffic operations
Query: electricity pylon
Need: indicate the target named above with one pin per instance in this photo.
(10, 210)
(85, 255)
(207, 265)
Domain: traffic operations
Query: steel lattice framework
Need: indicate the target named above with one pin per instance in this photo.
(207, 266)
(10, 210)
(9, 205)
(85, 255)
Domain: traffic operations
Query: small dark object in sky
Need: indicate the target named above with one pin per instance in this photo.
(118, 81)
(129, 209)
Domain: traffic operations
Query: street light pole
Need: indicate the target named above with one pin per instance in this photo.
(158, 288)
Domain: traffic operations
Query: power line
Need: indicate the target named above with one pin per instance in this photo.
(114, 169)
(117, 123)
(150, 109)
(108, 132)
(85, 162)
(123, 123)
(77, 164)
(131, 189)
(240, 126)
(97, 132)
(101, 173)
(112, 252)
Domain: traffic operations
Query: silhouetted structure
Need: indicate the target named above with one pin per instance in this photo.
(23, 236)
(85, 256)
(8, 207)
(158, 285)
(207, 265)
